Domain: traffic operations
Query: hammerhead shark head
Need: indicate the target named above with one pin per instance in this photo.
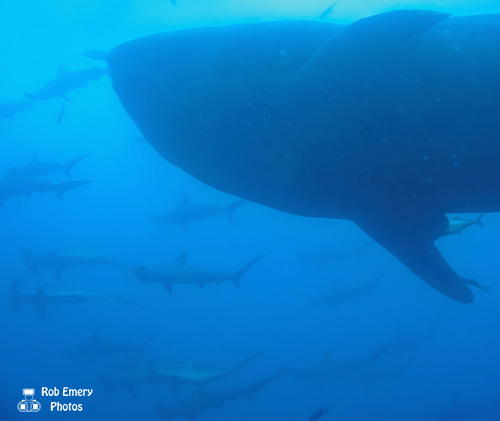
(390, 121)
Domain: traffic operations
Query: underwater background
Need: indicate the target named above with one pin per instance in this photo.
(391, 349)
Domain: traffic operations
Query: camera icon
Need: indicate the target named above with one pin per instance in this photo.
(28, 404)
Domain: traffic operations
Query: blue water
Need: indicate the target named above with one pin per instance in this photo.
(441, 360)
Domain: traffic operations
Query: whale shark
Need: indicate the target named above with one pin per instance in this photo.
(390, 121)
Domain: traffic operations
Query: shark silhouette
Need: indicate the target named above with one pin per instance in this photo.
(390, 121)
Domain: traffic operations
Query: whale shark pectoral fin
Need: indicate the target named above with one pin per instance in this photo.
(413, 245)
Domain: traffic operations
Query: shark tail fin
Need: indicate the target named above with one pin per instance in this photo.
(477, 284)
(238, 274)
(232, 208)
(62, 188)
(14, 292)
(478, 220)
(69, 165)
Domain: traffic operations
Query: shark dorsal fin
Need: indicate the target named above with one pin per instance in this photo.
(181, 260)
(185, 201)
(387, 36)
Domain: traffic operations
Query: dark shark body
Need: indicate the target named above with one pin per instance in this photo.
(328, 369)
(210, 398)
(25, 187)
(66, 81)
(180, 273)
(58, 262)
(36, 168)
(190, 375)
(339, 295)
(391, 121)
(10, 109)
(327, 255)
(318, 414)
(97, 347)
(40, 299)
(188, 212)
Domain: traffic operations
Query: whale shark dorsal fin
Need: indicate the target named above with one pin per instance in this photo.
(387, 35)
(181, 260)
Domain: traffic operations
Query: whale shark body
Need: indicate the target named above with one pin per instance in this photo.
(391, 121)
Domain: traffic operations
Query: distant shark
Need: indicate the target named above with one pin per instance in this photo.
(36, 168)
(10, 109)
(457, 225)
(188, 212)
(41, 300)
(97, 347)
(189, 375)
(318, 414)
(210, 398)
(25, 187)
(327, 255)
(57, 262)
(328, 369)
(338, 294)
(180, 273)
(66, 81)
(390, 121)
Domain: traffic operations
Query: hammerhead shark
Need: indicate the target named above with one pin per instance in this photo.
(41, 300)
(180, 272)
(188, 212)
